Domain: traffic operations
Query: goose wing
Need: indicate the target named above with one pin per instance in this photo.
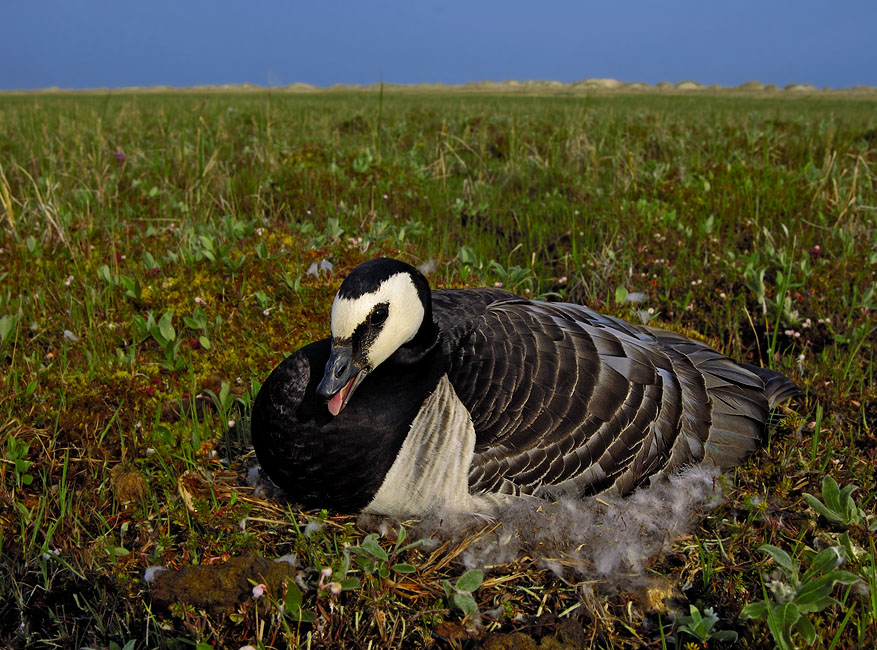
(565, 399)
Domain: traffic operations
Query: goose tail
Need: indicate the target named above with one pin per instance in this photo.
(777, 388)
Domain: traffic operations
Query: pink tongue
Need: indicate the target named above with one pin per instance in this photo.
(336, 402)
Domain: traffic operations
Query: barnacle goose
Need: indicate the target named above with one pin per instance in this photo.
(459, 399)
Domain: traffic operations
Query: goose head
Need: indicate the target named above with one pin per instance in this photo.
(383, 308)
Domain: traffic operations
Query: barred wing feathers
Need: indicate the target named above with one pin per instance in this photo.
(564, 399)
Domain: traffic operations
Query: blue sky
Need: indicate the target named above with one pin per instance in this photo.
(101, 43)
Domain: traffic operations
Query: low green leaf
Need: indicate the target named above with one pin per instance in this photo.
(204, 341)
(7, 324)
(820, 508)
(787, 614)
(400, 536)
(826, 560)
(350, 583)
(620, 294)
(470, 581)
(831, 494)
(371, 546)
(780, 557)
(724, 636)
(806, 629)
(813, 592)
(31, 387)
(165, 326)
(779, 631)
(404, 567)
(292, 601)
(415, 544)
(303, 617)
(843, 577)
(466, 604)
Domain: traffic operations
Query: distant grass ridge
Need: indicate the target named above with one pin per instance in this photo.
(160, 253)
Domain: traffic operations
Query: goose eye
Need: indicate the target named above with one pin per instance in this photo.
(379, 315)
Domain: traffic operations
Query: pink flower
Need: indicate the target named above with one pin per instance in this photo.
(258, 590)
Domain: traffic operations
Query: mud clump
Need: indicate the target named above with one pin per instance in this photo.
(129, 485)
(218, 588)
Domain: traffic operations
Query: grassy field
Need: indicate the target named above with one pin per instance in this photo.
(154, 267)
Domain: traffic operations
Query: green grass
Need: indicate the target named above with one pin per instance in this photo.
(153, 270)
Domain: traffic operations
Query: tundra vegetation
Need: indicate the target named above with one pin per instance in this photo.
(160, 253)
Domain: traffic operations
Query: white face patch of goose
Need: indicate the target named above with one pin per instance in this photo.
(405, 315)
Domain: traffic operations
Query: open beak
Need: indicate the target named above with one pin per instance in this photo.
(341, 378)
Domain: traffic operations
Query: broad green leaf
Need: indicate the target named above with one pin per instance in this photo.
(787, 614)
(778, 630)
(204, 341)
(466, 604)
(805, 627)
(303, 617)
(780, 557)
(7, 324)
(350, 583)
(165, 327)
(826, 560)
(813, 592)
(831, 494)
(292, 602)
(820, 508)
(725, 636)
(843, 577)
(404, 567)
(470, 581)
(620, 294)
(370, 545)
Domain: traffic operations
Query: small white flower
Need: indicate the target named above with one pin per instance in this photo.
(259, 590)
(326, 572)
(231, 424)
(68, 281)
(498, 285)
(199, 301)
(335, 587)
(260, 231)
